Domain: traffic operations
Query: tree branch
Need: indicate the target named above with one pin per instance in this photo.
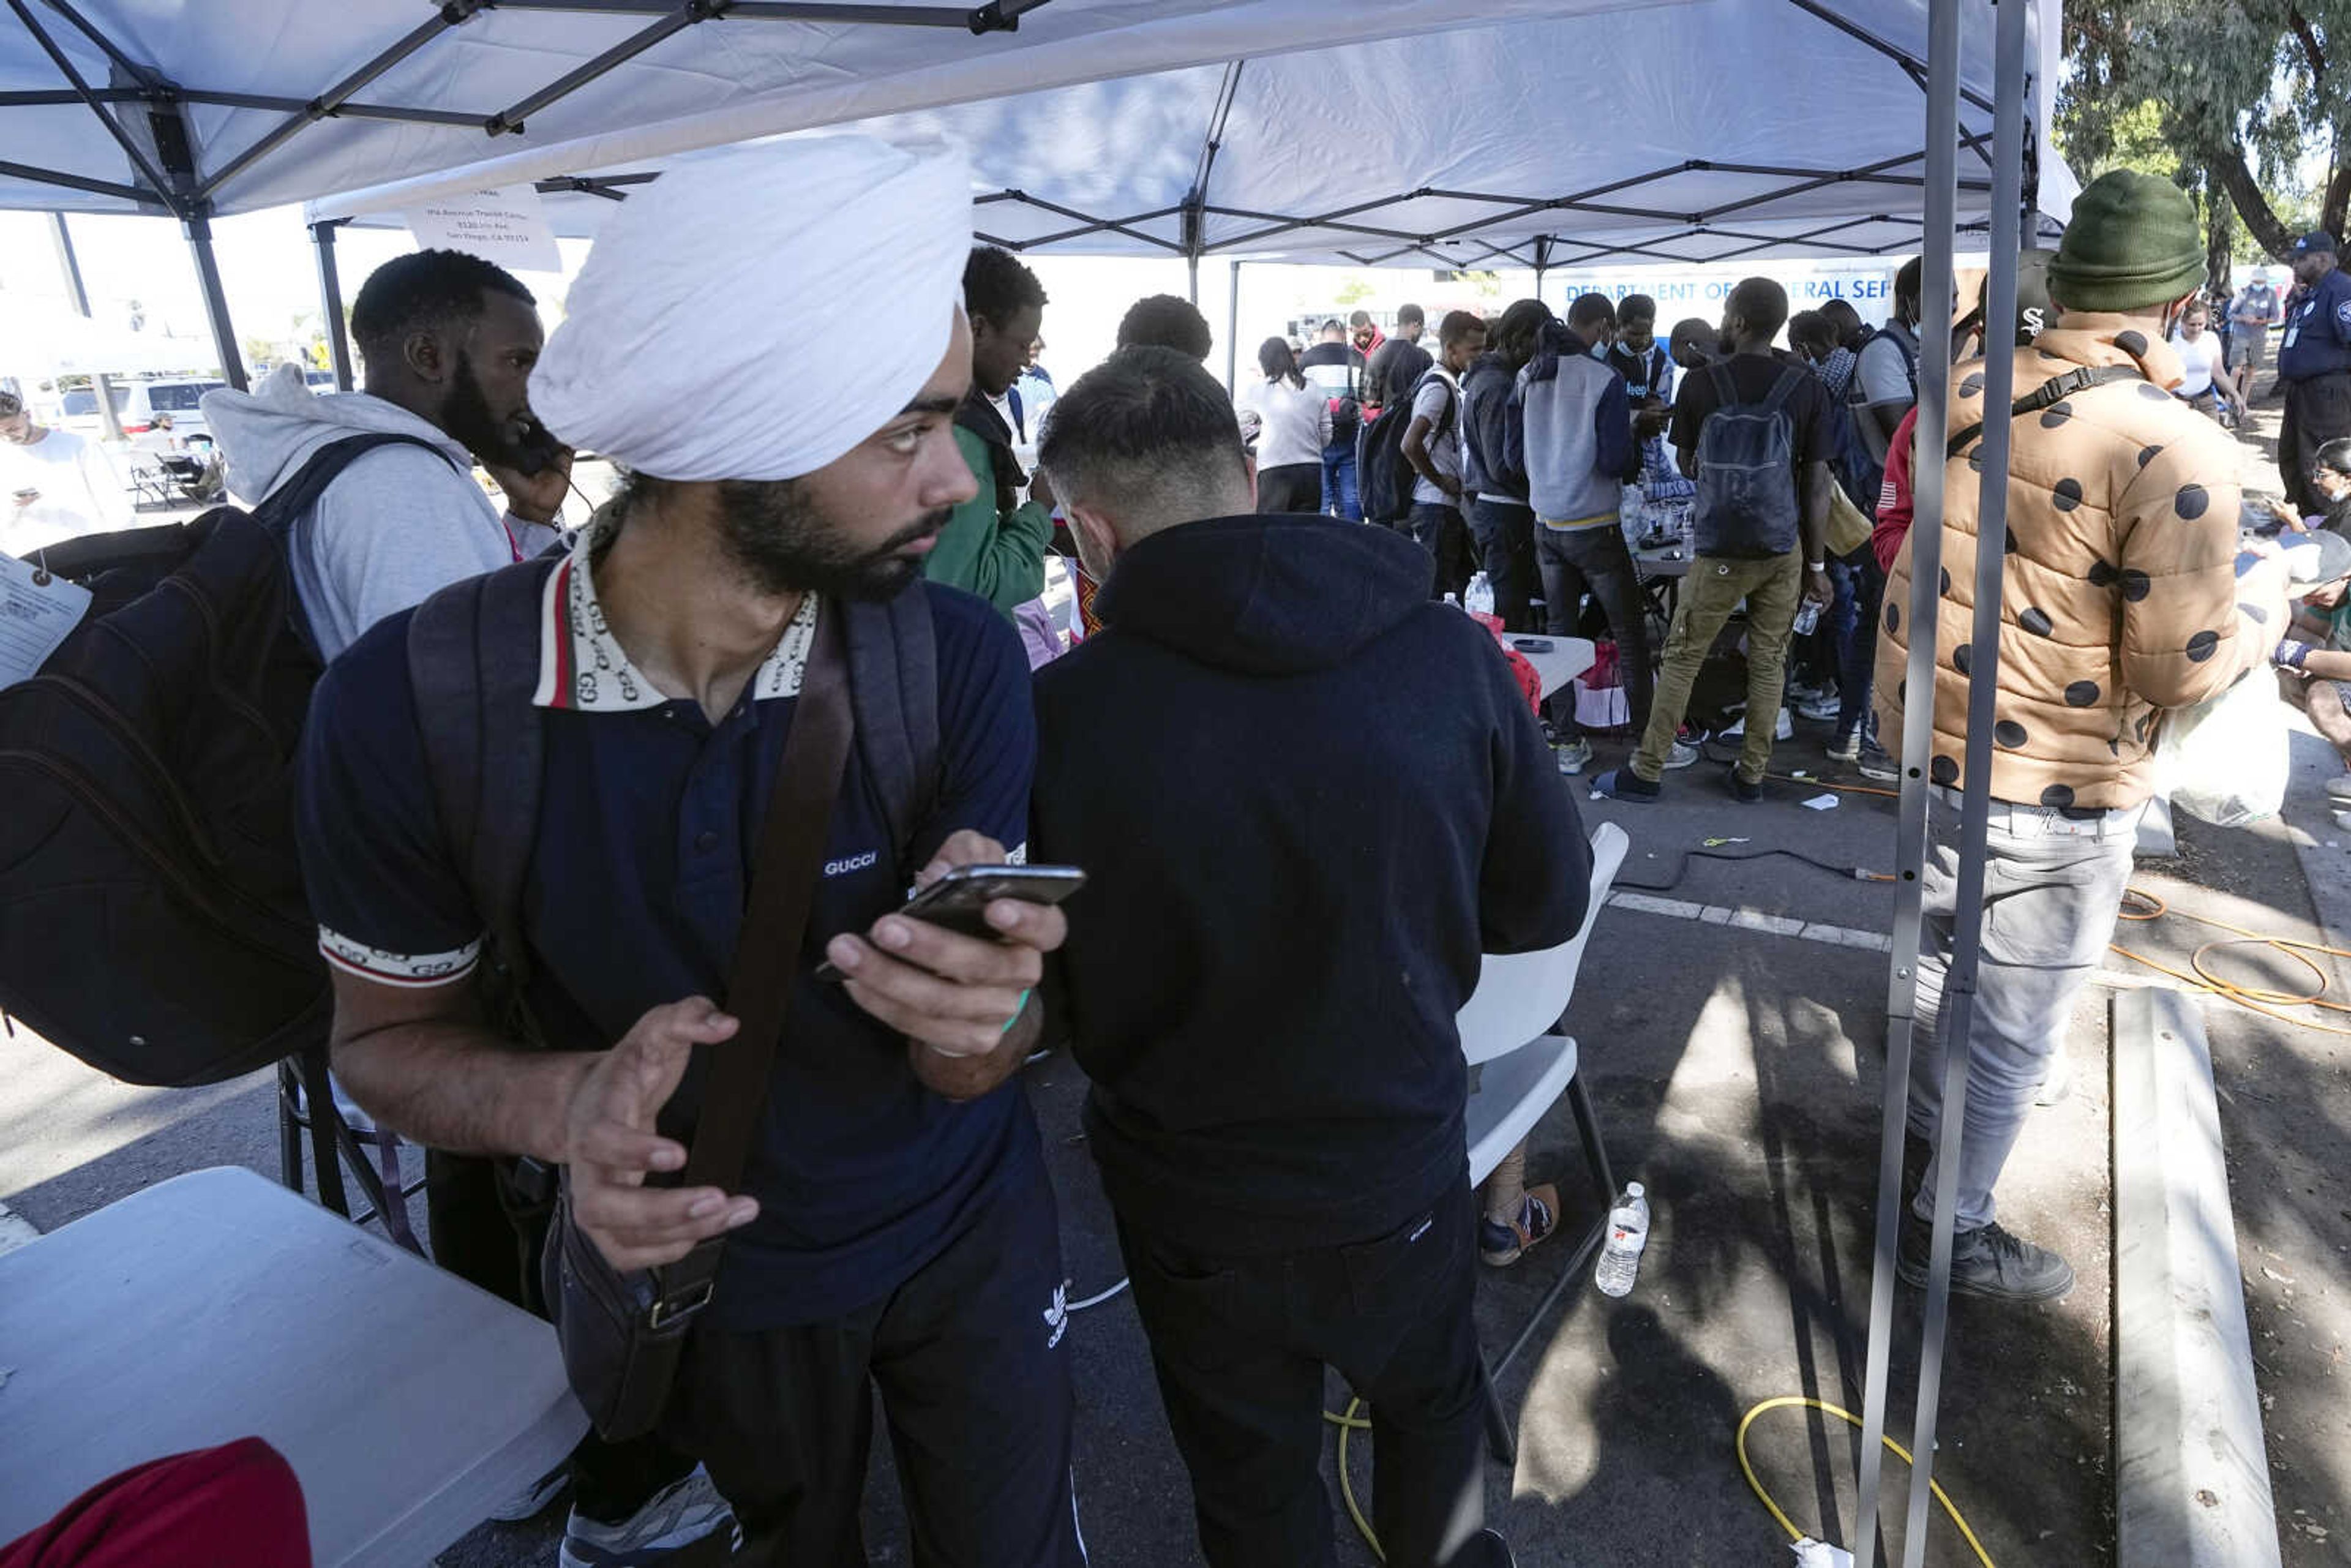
(2311, 48)
(2252, 202)
(2337, 204)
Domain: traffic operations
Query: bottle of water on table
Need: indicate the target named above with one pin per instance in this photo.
(1479, 598)
(1628, 1232)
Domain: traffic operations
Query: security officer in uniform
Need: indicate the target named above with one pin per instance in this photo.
(2314, 365)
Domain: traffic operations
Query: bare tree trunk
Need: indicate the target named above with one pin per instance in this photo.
(2246, 195)
(2220, 237)
(2337, 205)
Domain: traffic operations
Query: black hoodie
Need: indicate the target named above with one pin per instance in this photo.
(1307, 799)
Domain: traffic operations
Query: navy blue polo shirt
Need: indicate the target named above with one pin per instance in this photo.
(649, 817)
(2318, 331)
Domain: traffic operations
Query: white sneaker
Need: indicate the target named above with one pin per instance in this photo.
(1574, 755)
(1683, 754)
(677, 1517)
(1822, 709)
(1784, 730)
(525, 1503)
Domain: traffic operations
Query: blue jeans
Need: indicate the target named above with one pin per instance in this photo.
(1340, 497)
(1860, 601)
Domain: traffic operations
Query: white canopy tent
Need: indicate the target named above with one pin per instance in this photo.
(1555, 141)
(194, 111)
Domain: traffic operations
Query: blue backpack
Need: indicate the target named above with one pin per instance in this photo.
(1746, 471)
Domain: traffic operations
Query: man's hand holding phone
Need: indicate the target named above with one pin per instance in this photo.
(964, 1003)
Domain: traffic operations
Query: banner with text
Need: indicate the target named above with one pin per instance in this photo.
(509, 227)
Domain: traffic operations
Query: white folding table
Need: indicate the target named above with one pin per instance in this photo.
(218, 1305)
(1569, 657)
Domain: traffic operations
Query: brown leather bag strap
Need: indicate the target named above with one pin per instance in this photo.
(785, 871)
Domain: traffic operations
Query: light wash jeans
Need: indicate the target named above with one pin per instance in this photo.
(2053, 889)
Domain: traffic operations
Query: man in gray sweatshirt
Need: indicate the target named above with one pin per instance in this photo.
(449, 341)
(1575, 425)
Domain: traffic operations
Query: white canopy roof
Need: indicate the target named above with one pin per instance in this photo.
(1698, 131)
(224, 106)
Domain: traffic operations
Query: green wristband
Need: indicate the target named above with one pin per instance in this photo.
(1017, 1013)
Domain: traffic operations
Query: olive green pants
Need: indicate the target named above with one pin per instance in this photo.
(1773, 588)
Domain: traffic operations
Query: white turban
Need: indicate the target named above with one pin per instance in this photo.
(689, 348)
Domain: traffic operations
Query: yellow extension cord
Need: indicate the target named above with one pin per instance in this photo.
(1787, 1401)
(1351, 1423)
(2203, 979)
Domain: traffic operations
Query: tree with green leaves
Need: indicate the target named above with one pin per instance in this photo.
(2241, 91)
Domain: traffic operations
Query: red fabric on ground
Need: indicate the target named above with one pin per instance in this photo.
(236, 1506)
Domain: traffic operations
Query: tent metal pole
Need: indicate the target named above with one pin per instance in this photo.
(1192, 263)
(454, 14)
(71, 268)
(66, 182)
(88, 96)
(1543, 262)
(1233, 330)
(330, 302)
(1938, 236)
(1983, 689)
(199, 230)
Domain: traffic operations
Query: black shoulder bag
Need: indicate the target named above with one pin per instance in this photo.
(622, 1334)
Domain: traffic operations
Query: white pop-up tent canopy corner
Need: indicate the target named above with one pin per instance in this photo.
(195, 113)
(1544, 140)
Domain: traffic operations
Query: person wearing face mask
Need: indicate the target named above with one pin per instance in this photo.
(449, 341)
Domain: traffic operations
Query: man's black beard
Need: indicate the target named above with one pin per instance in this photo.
(785, 546)
(467, 418)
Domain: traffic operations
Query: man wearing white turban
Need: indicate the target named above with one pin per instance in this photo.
(895, 1227)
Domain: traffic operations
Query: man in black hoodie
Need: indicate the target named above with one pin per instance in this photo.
(1501, 523)
(1287, 908)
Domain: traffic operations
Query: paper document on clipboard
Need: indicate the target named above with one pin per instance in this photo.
(36, 611)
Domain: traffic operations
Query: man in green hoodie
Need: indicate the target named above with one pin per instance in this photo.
(993, 544)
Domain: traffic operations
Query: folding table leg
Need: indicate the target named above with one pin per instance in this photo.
(289, 1130)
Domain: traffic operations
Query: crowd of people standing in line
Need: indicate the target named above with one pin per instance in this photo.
(1281, 1211)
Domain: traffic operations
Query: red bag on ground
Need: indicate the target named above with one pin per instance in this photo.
(236, 1506)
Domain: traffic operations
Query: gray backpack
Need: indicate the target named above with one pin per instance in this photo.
(1747, 472)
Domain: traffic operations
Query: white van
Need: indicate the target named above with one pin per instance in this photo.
(136, 404)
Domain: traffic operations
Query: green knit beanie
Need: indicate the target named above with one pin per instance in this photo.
(2133, 242)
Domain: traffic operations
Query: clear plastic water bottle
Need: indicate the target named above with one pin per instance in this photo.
(1808, 615)
(1480, 600)
(1454, 600)
(1628, 1232)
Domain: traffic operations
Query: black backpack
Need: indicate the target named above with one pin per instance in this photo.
(1384, 474)
(152, 916)
(473, 659)
(1746, 507)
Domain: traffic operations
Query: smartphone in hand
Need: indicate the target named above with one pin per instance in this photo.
(958, 901)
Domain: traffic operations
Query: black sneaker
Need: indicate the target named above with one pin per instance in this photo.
(1741, 790)
(1623, 784)
(1986, 1261)
(1873, 762)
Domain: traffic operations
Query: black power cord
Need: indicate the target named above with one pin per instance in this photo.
(1681, 868)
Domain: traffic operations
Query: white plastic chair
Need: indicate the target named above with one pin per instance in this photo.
(1510, 1031)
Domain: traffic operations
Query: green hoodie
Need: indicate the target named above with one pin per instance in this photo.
(999, 555)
